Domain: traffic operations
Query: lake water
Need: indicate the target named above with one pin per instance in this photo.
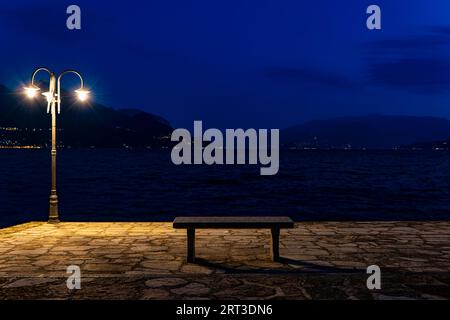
(144, 185)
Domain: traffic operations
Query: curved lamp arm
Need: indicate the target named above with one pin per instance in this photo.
(59, 84)
(51, 89)
(37, 71)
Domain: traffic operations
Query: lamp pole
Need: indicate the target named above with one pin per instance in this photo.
(53, 96)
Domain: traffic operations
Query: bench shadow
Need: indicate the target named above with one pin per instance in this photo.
(305, 267)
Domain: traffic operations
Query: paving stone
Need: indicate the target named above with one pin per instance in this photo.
(155, 294)
(105, 267)
(28, 282)
(192, 289)
(167, 265)
(165, 282)
(197, 269)
(29, 252)
(140, 257)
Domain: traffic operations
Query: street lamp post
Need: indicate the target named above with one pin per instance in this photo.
(53, 96)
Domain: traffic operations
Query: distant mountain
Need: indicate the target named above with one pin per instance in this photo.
(373, 132)
(136, 113)
(25, 122)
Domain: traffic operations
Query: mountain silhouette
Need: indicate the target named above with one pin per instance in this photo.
(25, 122)
(372, 132)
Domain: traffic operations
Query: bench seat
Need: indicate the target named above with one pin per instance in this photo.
(272, 223)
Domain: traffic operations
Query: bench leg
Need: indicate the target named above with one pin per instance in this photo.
(190, 245)
(275, 244)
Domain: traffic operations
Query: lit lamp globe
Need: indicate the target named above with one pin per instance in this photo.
(31, 91)
(82, 94)
(48, 96)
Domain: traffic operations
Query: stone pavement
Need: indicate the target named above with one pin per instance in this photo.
(322, 260)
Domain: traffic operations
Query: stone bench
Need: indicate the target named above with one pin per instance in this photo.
(272, 223)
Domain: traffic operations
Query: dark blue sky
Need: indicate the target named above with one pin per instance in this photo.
(240, 63)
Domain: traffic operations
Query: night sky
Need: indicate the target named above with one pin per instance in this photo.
(257, 63)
